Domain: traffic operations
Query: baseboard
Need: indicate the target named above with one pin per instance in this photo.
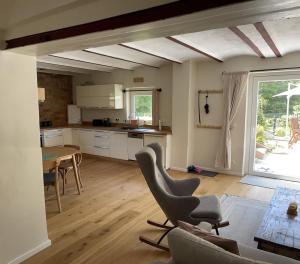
(178, 169)
(31, 252)
(227, 172)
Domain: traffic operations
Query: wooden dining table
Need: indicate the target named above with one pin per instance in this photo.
(52, 154)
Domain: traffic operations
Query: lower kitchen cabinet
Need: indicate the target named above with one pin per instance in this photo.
(165, 141)
(75, 136)
(102, 143)
(67, 134)
(86, 141)
(119, 147)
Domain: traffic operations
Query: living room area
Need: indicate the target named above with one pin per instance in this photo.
(215, 86)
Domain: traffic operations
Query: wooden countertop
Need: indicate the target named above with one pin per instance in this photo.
(150, 131)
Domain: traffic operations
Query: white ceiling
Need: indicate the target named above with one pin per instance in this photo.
(220, 44)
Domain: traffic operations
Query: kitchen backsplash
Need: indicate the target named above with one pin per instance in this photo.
(58, 90)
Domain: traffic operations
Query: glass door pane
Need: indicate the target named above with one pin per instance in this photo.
(277, 143)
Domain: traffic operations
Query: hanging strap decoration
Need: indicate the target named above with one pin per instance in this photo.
(206, 106)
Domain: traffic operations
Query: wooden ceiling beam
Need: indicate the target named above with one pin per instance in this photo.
(118, 58)
(156, 13)
(266, 36)
(247, 41)
(88, 62)
(193, 48)
(151, 54)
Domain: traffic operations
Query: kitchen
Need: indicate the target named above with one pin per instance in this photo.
(74, 110)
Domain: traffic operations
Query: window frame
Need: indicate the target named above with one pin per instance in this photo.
(132, 104)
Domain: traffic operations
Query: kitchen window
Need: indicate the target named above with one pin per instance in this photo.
(141, 106)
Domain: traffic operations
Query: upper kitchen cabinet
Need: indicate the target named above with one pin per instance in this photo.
(109, 96)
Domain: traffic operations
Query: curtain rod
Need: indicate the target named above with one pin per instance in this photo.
(276, 69)
(141, 90)
(273, 69)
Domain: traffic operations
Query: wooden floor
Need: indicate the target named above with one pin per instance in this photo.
(102, 225)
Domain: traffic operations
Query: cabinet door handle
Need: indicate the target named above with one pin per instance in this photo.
(101, 147)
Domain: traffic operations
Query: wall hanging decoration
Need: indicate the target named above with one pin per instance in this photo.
(207, 108)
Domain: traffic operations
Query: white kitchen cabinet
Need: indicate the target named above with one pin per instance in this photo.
(135, 144)
(52, 137)
(86, 141)
(67, 134)
(75, 136)
(119, 147)
(100, 96)
(102, 143)
(165, 141)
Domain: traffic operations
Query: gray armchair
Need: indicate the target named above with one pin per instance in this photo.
(175, 197)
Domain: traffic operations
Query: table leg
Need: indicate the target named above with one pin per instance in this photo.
(76, 173)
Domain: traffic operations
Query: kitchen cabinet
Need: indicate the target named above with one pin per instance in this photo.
(75, 136)
(119, 147)
(67, 135)
(86, 141)
(102, 143)
(135, 144)
(108, 96)
(52, 137)
(165, 141)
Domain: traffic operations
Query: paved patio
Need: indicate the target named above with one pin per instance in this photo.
(281, 160)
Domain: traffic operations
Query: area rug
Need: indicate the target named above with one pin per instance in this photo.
(269, 182)
(244, 216)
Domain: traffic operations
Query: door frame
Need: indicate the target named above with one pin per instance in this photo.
(251, 121)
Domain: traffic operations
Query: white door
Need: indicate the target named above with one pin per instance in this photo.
(134, 146)
(86, 141)
(268, 130)
(119, 147)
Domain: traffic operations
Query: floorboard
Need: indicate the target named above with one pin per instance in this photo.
(102, 224)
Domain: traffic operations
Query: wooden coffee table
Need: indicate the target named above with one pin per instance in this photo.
(278, 232)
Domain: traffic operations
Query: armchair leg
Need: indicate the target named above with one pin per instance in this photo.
(220, 225)
(164, 225)
(157, 244)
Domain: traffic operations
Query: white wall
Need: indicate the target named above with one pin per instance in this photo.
(159, 78)
(23, 226)
(206, 141)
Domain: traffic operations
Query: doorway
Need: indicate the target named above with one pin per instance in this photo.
(274, 113)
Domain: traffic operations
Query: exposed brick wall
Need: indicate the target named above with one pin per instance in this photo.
(58, 90)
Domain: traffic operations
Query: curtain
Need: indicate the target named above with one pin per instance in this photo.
(155, 107)
(234, 86)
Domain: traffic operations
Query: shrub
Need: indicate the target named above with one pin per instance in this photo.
(280, 132)
(260, 134)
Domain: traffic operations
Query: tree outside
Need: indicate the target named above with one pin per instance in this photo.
(143, 106)
(271, 114)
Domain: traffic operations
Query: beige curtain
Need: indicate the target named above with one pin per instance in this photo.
(234, 86)
(155, 107)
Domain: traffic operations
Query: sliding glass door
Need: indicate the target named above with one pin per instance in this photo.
(274, 134)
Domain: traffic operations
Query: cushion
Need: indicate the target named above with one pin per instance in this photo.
(49, 178)
(209, 209)
(189, 249)
(227, 244)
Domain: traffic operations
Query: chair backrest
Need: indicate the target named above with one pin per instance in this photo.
(190, 249)
(78, 156)
(294, 123)
(175, 207)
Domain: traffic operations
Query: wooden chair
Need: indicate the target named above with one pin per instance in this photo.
(67, 166)
(295, 131)
(52, 178)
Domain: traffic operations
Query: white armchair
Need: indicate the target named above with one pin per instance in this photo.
(186, 248)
